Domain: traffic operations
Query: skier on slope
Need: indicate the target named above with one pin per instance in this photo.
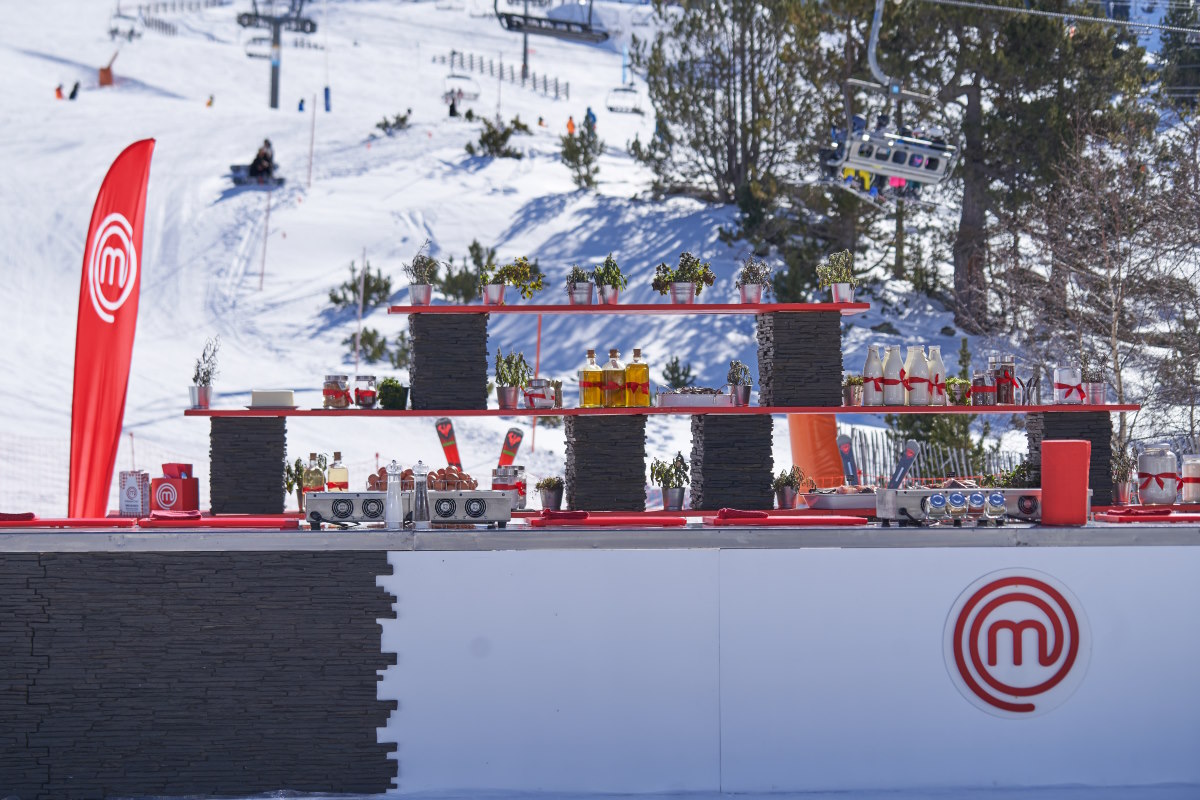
(589, 121)
(263, 164)
(570, 126)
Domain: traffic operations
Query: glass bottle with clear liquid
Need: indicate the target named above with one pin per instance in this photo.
(591, 378)
(637, 381)
(614, 381)
(313, 478)
(339, 476)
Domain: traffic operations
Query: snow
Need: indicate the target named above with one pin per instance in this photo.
(203, 253)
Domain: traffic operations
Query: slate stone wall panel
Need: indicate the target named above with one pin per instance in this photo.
(246, 461)
(800, 359)
(731, 465)
(1095, 427)
(449, 365)
(606, 463)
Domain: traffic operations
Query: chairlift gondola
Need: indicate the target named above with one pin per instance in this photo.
(462, 88)
(125, 26)
(626, 100)
(559, 22)
(258, 47)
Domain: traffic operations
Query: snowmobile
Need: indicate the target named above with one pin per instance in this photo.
(240, 173)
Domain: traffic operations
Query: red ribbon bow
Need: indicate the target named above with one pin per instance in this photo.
(338, 394)
(938, 384)
(877, 382)
(536, 395)
(1146, 477)
(1008, 379)
(589, 384)
(613, 386)
(891, 381)
(1075, 388)
(909, 381)
(638, 386)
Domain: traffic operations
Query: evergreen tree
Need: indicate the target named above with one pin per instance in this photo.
(1179, 85)
(676, 376)
(580, 151)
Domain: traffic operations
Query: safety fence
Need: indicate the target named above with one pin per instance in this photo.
(179, 6)
(544, 84)
(161, 26)
(876, 453)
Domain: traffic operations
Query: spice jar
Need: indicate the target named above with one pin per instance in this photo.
(1158, 482)
(336, 392)
(1068, 385)
(1006, 383)
(983, 393)
(1190, 478)
(365, 394)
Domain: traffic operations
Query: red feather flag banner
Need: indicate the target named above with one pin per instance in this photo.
(108, 304)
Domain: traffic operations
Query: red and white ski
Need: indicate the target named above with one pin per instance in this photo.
(911, 448)
(512, 443)
(445, 432)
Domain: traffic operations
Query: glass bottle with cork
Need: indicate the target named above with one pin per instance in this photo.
(590, 380)
(339, 476)
(313, 478)
(614, 381)
(637, 381)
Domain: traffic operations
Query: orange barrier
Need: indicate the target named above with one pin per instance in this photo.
(1065, 465)
(814, 447)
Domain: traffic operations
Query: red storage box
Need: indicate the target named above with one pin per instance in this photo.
(1065, 466)
(177, 491)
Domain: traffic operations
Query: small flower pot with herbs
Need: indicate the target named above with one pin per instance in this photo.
(837, 273)
(852, 390)
(1095, 379)
(957, 390)
(609, 281)
(206, 370)
(550, 490)
(422, 274)
(519, 274)
(686, 282)
(754, 280)
(672, 476)
(787, 487)
(739, 382)
(512, 376)
(579, 287)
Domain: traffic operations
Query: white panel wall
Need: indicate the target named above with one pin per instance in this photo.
(761, 670)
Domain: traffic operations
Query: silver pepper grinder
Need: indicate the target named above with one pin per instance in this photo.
(421, 497)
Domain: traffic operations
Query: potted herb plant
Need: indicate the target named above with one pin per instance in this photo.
(393, 395)
(686, 281)
(579, 287)
(422, 273)
(1095, 379)
(512, 375)
(1122, 468)
(838, 273)
(293, 477)
(787, 487)
(753, 280)
(551, 492)
(852, 390)
(739, 383)
(671, 476)
(956, 390)
(519, 274)
(206, 370)
(609, 281)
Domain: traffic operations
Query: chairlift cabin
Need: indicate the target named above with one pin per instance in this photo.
(461, 87)
(259, 47)
(125, 26)
(566, 21)
(626, 100)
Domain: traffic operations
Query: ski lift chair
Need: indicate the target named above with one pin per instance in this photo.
(559, 27)
(625, 100)
(460, 87)
(259, 47)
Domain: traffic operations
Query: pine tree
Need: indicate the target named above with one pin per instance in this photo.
(580, 151)
(676, 376)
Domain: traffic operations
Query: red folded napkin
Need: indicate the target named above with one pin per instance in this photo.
(734, 513)
(1143, 512)
(576, 515)
(24, 516)
(174, 515)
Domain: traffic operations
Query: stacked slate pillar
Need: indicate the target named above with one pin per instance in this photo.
(1094, 427)
(800, 359)
(606, 463)
(246, 456)
(731, 461)
(449, 364)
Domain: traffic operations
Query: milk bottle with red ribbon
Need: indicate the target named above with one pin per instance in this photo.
(873, 378)
(1158, 478)
(937, 376)
(893, 366)
(916, 377)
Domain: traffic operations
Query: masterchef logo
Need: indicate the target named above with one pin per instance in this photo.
(165, 495)
(1017, 643)
(112, 266)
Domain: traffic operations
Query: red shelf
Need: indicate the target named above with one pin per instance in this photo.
(584, 412)
(846, 309)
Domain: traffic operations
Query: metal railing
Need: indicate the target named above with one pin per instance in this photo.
(510, 73)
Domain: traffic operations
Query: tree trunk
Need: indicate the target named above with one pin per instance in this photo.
(970, 243)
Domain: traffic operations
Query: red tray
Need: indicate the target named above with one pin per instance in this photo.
(65, 522)
(277, 522)
(789, 522)
(610, 521)
(1116, 516)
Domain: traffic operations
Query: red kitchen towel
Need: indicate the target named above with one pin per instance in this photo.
(1142, 512)
(790, 522)
(735, 513)
(631, 520)
(574, 515)
(174, 515)
(24, 516)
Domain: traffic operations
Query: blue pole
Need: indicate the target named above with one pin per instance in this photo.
(328, 107)
(624, 63)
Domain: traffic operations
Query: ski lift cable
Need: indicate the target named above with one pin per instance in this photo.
(1060, 16)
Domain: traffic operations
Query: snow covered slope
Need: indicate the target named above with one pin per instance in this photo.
(204, 257)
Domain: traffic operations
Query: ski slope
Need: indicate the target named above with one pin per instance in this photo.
(217, 262)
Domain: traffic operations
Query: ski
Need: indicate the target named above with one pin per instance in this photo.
(849, 468)
(512, 443)
(911, 449)
(445, 432)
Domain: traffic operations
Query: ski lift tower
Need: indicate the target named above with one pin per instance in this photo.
(291, 21)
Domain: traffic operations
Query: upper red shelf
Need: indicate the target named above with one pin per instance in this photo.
(583, 412)
(846, 309)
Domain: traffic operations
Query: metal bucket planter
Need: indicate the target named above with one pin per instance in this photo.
(843, 292)
(1123, 493)
(786, 497)
(741, 395)
(201, 396)
(508, 396)
(581, 295)
(551, 498)
(751, 293)
(683, 293)
(673, 499)
(419, 294)
(608, 295)
(493, 294)
(852, 395)
(1097, 393)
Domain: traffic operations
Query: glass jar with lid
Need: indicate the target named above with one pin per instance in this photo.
(365, 394)
(1190, 478)
(336, 391)
(1158, 481)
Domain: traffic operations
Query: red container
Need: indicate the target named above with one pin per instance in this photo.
(1065, 465)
